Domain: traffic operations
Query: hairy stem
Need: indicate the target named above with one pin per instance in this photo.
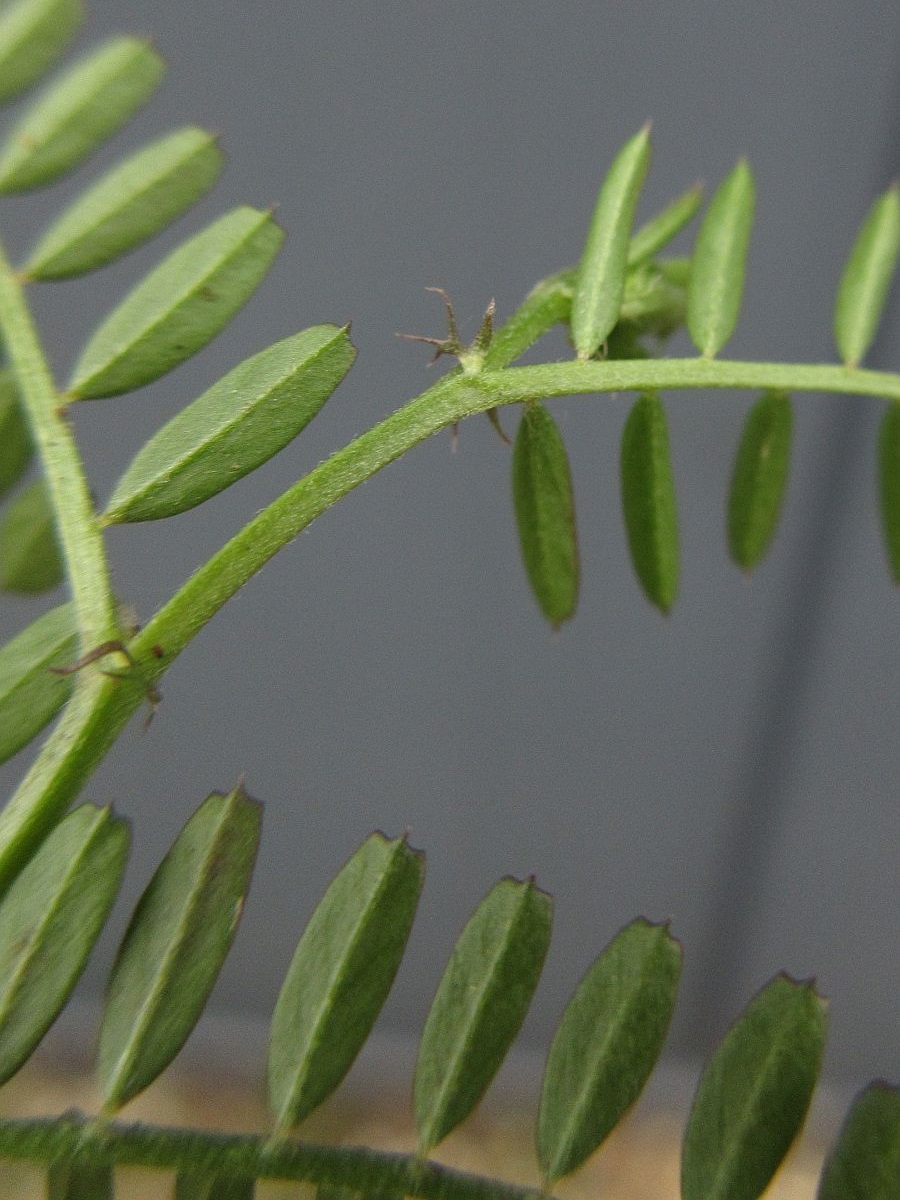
(65, 761)
(101, 706)
(448, 401)
(368, 1172)
(77, 529)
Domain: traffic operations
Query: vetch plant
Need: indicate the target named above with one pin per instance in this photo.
(60, 867)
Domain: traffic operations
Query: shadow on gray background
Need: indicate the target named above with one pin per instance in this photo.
(731, 767)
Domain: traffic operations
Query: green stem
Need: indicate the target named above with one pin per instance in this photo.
(516, 384)
(448, 401)
(546, 305)
(101, 706)
(77, 528)
(69, 754)
(368, 1172)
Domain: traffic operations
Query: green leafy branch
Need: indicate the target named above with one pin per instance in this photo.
(621, 294)
(750, 1103)
(60, 873)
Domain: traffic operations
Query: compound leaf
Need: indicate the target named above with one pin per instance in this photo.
(889, 484)
(661, 229)
(49, 920)
(241, 422)
(752, 1098)
(78, 112)
(175, 944)
(863, 289)
(545, 514)
(30, 694)
(29, 557)
(340, 975)
(648, 500)
(15, 440)
(480, 1005)
(606, 1045)
(33, 34)
(600, 281)
(128, 205)
(180, 306)
(759, 478)
(865, 1162)
(716, 284)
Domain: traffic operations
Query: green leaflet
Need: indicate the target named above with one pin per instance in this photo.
(241, 422)
(661, 229)
(652, 303)
(606, 1045)
(128, 205)
(479, 1006)
(30, 694)
(863, 289)
(759, 478)
(175, 944)
(889, 484)
(78, 112)
(601, 276)
(545, 514)
(675, 271)
(66, 1181)
(865, 1162)
(752, 1098)
(340, 975)
(49, 920)
(648, 500)
(717, 273)
(29, 558)
(15, 440)
(213, 1187)
(180, 306)
(33, 33)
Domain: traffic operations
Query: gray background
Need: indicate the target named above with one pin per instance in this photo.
(732, 767)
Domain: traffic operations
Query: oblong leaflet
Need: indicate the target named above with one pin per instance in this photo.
(759, 478)
(656, 233)
(648, 500)
(241, 422)
(607, 1043)
(16, 447)
(866, 279)
(600, 281)
(30, 693)
(340, 975)
(754, 1093)
(865, 1161)
(545, 514)
(78, 112)
(180, 306)
(479, 1006)
(175, 944)
(29, 556)
(716, 285)
(128, 205)
(33, 34)
(49, 920)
